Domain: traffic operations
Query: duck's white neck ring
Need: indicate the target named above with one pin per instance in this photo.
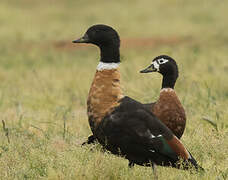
(107, 66)
(167, 90)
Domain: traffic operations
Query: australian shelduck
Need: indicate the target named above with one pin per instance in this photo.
(168, 107)
(119, 123)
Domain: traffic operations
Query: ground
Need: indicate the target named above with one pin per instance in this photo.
(45, 79)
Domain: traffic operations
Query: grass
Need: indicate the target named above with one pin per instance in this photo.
(44, 82)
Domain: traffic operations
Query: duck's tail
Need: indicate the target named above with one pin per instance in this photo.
(191, 162)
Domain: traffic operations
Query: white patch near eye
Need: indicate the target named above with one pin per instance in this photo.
(156, 65)
(162, 61)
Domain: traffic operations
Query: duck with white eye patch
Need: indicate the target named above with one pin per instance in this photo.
(168, 107)
(119, 123)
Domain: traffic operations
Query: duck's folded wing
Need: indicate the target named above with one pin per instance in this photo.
(140, 134)
(151, 131)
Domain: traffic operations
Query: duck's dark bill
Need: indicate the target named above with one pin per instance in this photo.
(149, 69)
(84, 39)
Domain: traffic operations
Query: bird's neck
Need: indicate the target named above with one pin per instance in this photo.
(110, 54)
(169, 81)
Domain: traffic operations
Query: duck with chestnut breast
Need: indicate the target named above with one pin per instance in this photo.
(121, 124)
(168, 107)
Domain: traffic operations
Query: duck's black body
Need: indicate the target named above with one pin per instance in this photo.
(127, 131)
(122, 125)
(135, 133)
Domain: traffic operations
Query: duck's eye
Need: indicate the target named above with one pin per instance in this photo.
(162, 61)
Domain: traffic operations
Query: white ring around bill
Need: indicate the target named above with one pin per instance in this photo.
(156, 65)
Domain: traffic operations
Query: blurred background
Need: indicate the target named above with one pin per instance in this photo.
(45, 79)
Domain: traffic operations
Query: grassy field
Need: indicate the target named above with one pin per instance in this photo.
(45, 79)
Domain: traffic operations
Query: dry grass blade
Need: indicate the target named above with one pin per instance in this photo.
(211, 122)
(6, 130)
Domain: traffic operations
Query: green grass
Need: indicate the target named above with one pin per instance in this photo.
(45, 79)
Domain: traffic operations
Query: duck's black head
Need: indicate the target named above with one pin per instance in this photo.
(106, 38)
(166, 66)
